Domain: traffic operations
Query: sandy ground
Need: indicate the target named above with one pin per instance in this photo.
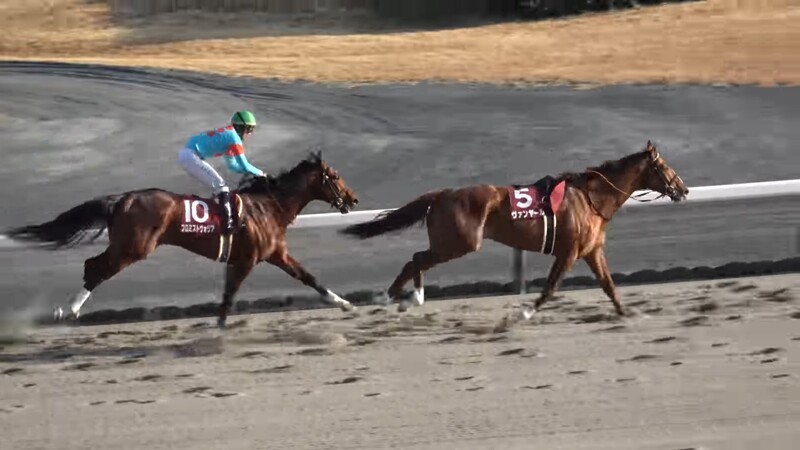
(702, 365)
(714, 41)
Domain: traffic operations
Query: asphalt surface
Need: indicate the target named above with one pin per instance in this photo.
(70, 133)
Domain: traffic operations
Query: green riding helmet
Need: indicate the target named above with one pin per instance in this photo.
(244, 118)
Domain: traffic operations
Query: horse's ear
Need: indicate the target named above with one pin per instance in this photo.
(650, 147)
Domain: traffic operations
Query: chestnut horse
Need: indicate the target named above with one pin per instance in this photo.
(140, 221)
(459, 219)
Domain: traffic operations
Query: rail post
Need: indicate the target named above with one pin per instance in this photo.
(518, 271)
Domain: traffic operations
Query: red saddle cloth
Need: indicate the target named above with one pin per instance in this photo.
(530, 202)
(203, 215)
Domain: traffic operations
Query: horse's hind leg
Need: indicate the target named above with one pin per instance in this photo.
(96, 270)
(410, 270)
(420, 262)
(414, 269)
(102, 267)
(452, 233)
(235, 274)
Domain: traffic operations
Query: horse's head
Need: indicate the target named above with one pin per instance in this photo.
(662, 178)
(329, 187)
(311, 176)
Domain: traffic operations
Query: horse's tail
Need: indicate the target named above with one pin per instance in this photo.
(70, 227)
(400, 218)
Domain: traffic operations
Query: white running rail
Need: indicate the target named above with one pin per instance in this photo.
(699, 194)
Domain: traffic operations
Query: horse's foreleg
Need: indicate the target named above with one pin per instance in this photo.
(235, 274)
(597, 262)
(560, 267)
(297, 271)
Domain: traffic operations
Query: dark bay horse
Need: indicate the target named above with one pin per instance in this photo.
(140, 221)
(459, 219)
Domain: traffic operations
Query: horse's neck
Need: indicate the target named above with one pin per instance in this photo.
(619, 187)
(289, 205)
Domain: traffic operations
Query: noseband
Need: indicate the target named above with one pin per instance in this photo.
(337, 202)
(668, 188)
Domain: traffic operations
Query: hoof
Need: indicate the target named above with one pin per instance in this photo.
(528, 314)
(333, 299)
(60, 315)
(403, 306)
(221, 323)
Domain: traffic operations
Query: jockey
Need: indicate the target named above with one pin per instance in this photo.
(225, 142)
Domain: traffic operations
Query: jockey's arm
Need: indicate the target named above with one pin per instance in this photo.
(237, 162)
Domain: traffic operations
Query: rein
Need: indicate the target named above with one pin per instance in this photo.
(635, 197)
(327, 181)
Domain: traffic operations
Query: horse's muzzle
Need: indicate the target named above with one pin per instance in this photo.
(676, 194)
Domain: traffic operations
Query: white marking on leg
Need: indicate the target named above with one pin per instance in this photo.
(78, 301)
(528, 313)
(339, 301)
(419, 296)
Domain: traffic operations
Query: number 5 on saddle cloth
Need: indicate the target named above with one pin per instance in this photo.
(539, 200)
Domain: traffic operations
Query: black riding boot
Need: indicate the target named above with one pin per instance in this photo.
(224, 199)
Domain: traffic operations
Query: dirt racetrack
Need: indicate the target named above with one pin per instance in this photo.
(704, 365)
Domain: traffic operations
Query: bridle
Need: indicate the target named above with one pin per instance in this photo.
(669, 190)
(338, 201)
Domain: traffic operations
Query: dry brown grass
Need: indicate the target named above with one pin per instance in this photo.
(716, 41)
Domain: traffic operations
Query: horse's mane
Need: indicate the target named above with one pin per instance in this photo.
(285, 182)
(607, 167)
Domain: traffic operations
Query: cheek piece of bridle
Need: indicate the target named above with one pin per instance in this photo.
(337, 202)
(669, 189)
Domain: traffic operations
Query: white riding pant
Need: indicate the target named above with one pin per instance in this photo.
(202, 171)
